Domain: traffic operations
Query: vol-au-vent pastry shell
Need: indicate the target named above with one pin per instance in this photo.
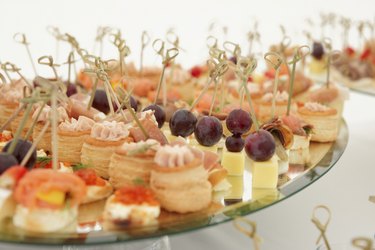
(97, 154)
(132, 162)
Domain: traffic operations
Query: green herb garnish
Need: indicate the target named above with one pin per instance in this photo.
(79, 166)
(139, 182)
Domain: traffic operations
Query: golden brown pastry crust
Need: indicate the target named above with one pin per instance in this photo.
(97, 154)
(70, 145)
(124, 170)
(6, 110)
(16, 123)
(305, 111)
(45, 142)
(184, 190)
(325, 124)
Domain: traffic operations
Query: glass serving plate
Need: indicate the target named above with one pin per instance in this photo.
(241, 200)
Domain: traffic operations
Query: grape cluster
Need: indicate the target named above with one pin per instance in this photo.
(238, 123)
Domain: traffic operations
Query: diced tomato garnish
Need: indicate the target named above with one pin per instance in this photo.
(250, 79)
(89, 176)
(196, 71)
(349, 51)
(365, 54)
(5, 137)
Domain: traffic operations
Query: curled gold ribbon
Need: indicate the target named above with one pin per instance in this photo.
(333, 57)
(362, 243)
(300, 53)
(274, 59)
(48, 60)
(173, 39)
(7, 66)
(322, 227)
(3, 80)
(217, 54)
(21, 38)
(158, 46)
(211, 42)
(285, 43)
(250, 232)
(233, 48)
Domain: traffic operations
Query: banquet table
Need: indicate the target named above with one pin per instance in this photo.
(345, 189)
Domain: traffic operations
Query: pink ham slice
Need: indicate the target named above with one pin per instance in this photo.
(152, 129)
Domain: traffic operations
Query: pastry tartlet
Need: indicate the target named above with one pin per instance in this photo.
(45, 142)
(71, 135)
(98, 148)
(131, 163)
(333, 96)
(47, 201)
(131, 207)
(323, 119)
(265, 105)
(179, 180)
(10, 94)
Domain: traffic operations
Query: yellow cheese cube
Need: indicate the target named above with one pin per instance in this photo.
(236, 191)
(234, 162)
(54, 197)
(195, 143)
(265, 173)
(265, 195)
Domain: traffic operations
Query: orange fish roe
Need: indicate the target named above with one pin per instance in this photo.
(135, 196)
(5, 137)
(89, 176)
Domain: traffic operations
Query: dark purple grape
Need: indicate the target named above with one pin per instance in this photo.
(182, 123)
(260, 145)
(158, 113)
(100, 101)
(71, 88)
(233, 59)
(20, 151)
(7, 161)
(234, 143)
(133, 104)
(318, 50)
(238, 121)
(208, 131)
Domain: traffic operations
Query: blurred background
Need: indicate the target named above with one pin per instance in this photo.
(192, 21)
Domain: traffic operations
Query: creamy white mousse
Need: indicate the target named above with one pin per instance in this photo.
(316, 107)
(173, 156)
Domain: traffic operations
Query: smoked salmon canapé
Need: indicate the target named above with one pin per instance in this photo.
(48, 200)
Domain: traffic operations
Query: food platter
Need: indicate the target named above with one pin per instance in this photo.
(323, 156)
